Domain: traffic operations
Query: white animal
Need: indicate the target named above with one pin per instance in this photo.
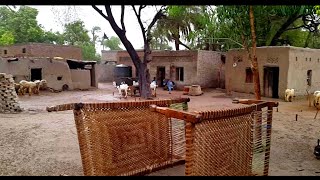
(153, 86)
(134, 83)
(289, 94)
(41, 85)
(123, 89)
(28, 85)
(316, 99)
(315, 93)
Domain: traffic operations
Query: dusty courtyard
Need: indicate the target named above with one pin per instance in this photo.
(36, 142)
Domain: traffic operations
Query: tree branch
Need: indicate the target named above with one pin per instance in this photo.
(122, 18)
(294, 28)
(283, 28)
(100, 12)
(184, 45)
(154, 20)
(140, 22)
(8, 6)
(113, 23)
(122, 35)
(140, 8)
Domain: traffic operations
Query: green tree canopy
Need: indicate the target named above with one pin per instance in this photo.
(6, 38)
(22, 23)
(113, 43)
(75, 33)
(22, 26)
(208, 27)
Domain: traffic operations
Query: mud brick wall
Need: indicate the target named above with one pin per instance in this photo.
(41, 50)
(8, 96)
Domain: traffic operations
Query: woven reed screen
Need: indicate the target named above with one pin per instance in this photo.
(126, 138)
(233, 142)
(222, 143)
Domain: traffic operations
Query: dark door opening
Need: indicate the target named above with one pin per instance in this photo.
(36, 74)
(161, 75)
(93, 75)
(271, 82)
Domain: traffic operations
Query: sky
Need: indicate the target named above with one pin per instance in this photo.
(50, 20)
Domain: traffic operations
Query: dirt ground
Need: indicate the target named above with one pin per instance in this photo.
(36, 142)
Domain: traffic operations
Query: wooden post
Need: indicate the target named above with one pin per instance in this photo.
(268, 141)
(83, 145)
(316, 114)
(189, 148)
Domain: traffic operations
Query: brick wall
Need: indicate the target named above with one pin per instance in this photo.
(105, 72)
(15, 50)
(210, 71)
(109, 55)
(200, 67)
(42, 50)
(172, 60)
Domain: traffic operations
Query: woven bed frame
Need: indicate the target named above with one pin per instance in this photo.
(137, 138)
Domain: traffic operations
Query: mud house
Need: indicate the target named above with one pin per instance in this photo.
(205, 68)
(280, 67)
(56, 66)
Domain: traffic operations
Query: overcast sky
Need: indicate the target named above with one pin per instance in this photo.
(49, 20)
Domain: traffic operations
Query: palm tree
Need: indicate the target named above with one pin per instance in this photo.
(179, 19)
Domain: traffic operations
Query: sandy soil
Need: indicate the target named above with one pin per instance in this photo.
(36, 142)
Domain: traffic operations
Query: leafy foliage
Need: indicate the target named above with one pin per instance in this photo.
(206, 27)
(89, 51)
(22, 24)
(75, 33)
(6, 38)
(113, 43)
(178, 20)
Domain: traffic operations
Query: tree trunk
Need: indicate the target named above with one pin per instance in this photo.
(141, 67)
(144, 81)
(255, 67)
(176, 41)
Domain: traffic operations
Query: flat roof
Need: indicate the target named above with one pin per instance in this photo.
(43, 44)
(279, 47)
(81, 62)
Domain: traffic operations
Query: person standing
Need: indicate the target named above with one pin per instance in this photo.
(170, 86)
(154, 80)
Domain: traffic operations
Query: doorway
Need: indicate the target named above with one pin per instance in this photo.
(161, 75)
(271, 82)
(36, 74)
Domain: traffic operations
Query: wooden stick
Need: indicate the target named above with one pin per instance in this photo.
(268, 143)
(316, 114)
(187, 116)
(189, 131)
